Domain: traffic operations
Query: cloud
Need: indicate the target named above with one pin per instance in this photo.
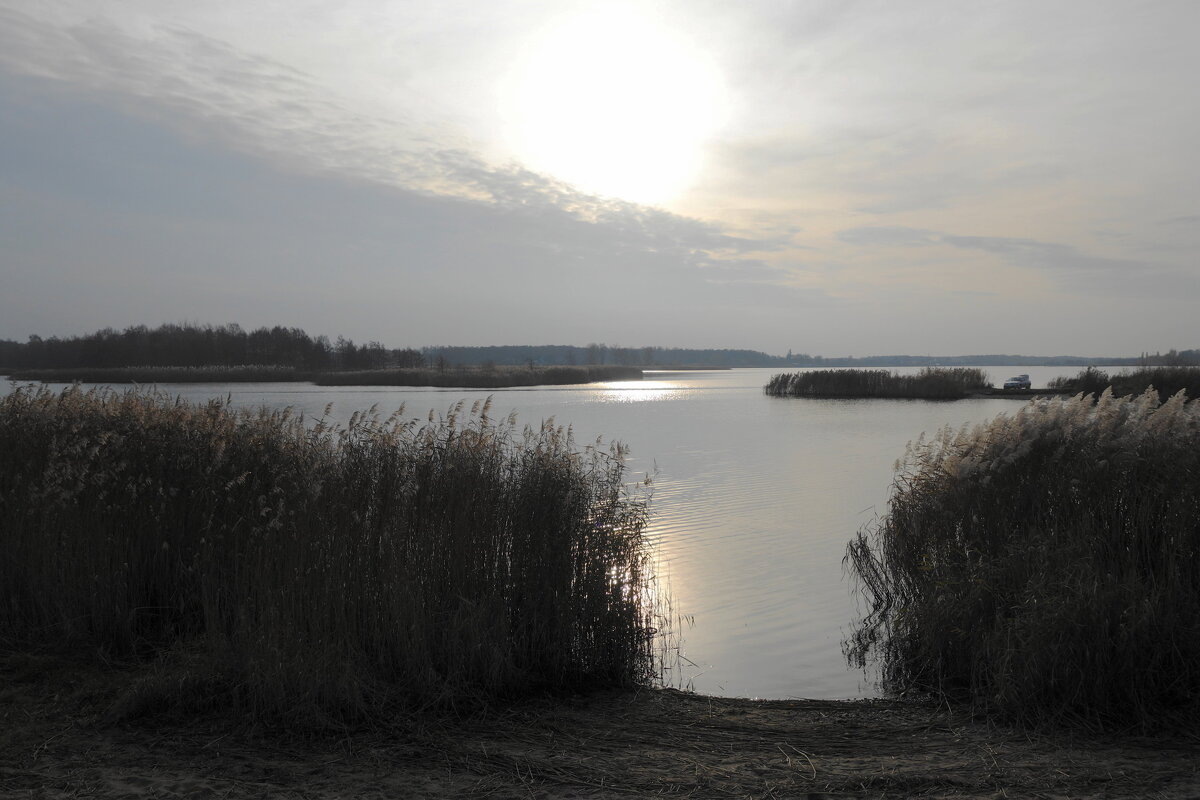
(1017, 251)
(887, 236)
(1043, 255)
(1081, 272)
(1068, 267)
(209, 90)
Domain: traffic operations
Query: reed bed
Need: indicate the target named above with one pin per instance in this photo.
(932, 383)
(1044, 566)
(1167, 381)
(480, 377)
(320, 573)
(255, 373)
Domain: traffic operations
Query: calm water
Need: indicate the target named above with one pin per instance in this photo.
(754, 499)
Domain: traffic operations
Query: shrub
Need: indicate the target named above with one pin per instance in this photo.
(1044, 565)
(323, 571)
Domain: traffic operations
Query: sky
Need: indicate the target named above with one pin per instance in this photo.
(851, 177)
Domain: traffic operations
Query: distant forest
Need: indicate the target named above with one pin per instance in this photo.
(202, 346)
(188, 345)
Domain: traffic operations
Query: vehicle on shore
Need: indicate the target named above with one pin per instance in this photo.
(1018, 382)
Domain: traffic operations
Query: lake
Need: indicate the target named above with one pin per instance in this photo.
(754, 499)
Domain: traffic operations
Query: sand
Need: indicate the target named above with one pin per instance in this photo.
(60, 738)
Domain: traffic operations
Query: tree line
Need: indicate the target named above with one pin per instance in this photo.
(187, 345)
(599, 354)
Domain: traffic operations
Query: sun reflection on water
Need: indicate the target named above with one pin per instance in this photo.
(638, 391)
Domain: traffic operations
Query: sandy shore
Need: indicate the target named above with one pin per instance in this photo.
(59, 739)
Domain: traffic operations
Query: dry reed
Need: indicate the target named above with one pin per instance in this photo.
(1044, 566)
(1167, 381)
(322, 572)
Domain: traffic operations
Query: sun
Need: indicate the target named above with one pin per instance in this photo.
(614, 103)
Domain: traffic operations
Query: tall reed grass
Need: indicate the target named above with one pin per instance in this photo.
(932, 383)
(1044, 566)
(344, 572)
(1165, 380)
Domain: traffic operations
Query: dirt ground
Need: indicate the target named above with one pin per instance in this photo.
(58, 740)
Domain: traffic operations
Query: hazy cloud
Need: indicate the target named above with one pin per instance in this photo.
(1082, 272)
(887, 236)
(1065, 265)
(203, 86)
(1042, 255)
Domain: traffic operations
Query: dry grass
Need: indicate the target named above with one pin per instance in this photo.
(1046, 565)
(318, 573)
(600, 745)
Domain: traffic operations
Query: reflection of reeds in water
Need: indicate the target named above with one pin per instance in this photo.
(1045, 565)
(932, 383)
(322, 570)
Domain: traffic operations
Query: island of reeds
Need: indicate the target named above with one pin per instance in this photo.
(311, 573)
(1045, 566)
(931, 383)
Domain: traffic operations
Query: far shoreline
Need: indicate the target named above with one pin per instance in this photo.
(442, 378)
